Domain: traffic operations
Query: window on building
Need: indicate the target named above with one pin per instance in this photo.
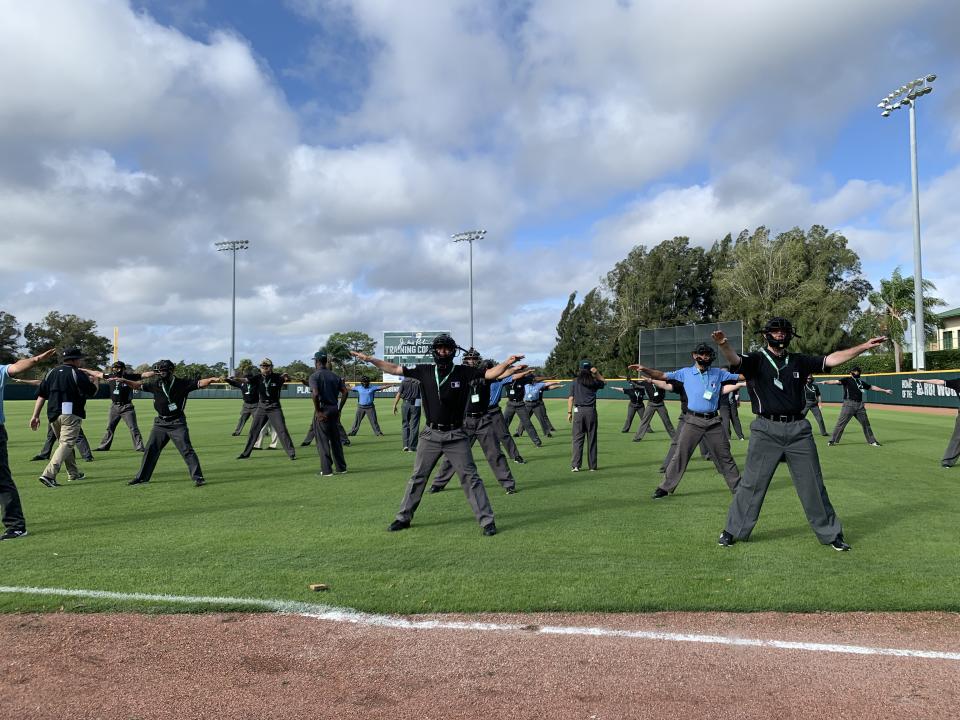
(948, 339)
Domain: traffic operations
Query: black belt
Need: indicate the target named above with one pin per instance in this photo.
(170, 418)
(476, 415)
(705, 416)
(442, 427)
(781, 418)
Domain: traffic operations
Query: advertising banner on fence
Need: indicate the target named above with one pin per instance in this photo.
(407, 347)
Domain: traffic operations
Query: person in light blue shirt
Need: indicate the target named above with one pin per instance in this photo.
(704, 386)
(365, 408)
(11, 511)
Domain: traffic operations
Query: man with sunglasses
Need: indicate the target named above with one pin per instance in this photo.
(269, 385)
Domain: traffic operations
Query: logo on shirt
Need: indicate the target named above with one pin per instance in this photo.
(410, 367)
(796, 375)
(454, 383)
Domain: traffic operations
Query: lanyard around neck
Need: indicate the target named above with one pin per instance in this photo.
(436, 374)
(786, 360)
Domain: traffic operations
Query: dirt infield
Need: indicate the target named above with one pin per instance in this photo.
(280, 666)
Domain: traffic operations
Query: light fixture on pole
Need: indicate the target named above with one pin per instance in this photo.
(233, 246)
(469, 237)
(907, 96)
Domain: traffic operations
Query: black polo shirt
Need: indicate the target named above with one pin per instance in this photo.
(327, 385)
(66, 384)
(635, 394)
(763, 368)
(409, 390)
(167, 393)
(444, 397)
(654, 393)
(853, 388)
(269, 388)
(121, 393)
(516, 390)
(584, 393)
(247, 389)
(677, 387)
(479, 401)
(811, 393)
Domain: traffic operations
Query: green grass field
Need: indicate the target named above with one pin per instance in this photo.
(267, 527)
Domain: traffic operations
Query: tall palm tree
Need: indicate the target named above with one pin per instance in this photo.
(893, 307)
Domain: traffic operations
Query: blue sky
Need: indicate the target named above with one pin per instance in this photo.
(347, 139)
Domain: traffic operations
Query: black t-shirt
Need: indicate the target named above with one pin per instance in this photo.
(269, 388)
(328, 386)
(444, 402)
(677, 387)
(247, 388)
(121, 393)
(479, 401)
(584, 393)
(635, 394)
(791, 370)
(853, 388)
(409, 390)
(654, 393)
(167, 393)
(953, 384)
(811, 393)
(517, 389)
(66, 384)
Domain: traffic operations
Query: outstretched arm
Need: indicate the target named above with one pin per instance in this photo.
(829, 382)
(24, 364)
(650, 372)
(208, 381)
(497, 370)
(387, 367)
(729, 354)
(838, 357)
(931, 381)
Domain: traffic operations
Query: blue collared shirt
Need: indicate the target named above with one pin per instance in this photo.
(697, 383)
(3, 380)
(531, 392)
(365, 394)
(496, 390)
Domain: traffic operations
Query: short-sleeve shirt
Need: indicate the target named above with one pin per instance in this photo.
(853, 388)
(677, 387)
(120, 393)
(3, 381)
(531, 393)
(811, 393)
(635, 394)
(365, 394)
(584, 392)
(479, 401)
(763, 367)
(517, 390)
(409, 390)
(444, 396)
(699, 384)
(654, 394)
(327, 385)
(496, 390)
(66, 384)
(170, 396)
(269, 388)
(247, 388)
(953, 384)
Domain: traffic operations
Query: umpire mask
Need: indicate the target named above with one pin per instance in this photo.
(444, 361)
(778, 324)
(704, 355)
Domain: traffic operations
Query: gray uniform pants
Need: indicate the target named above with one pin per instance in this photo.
(539, 411)
(730, 415)
(370, 412)
(481, 429)
(815, 409)
(631, 411)
(410, 417)
(83, 445)
(503, 433)
(674, 439)
(165, 431)
(312, 433)
(126, 412)
(11, 511)
(248, 410)
(274, 415)
(526, 424)
(329, 445)
(792, 442)
(710, 432)
(584, 429)
(952, 453)
(647, 416)
(453, 445)
(848, 410)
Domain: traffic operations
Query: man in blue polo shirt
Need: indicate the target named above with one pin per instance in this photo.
(704, 386)
(365, 406)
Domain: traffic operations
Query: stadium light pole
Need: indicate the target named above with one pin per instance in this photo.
(469, 237)
(907, 96)
(233, 246)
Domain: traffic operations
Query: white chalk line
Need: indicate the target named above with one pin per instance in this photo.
(346, 615)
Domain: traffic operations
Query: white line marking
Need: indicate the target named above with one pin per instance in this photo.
(346, 615)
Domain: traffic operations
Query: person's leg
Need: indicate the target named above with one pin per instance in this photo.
(503, 434)
(847, 411)
(358, 416)
(245, 413)
(804, 466)
(527, 424)
(718, 445)
(83, 445)
(415, 427)
(327, 434)
(459, 455)
(509, 413)
(735, 420)
(644, 427)
(334, 431)
(129, 414)
(487, 437)
(665, 419)
(372, 415)
(819, 418)
(631, 411)
(180, 436)
(11, 511)
(428, 454)
(256, 425)
(311, 435)
(764, 451)
(113, 419)
(724, 411)
(48, 443)
(157, 440)
(272, 429)
(258, 445)
(540, 410)
(687, 441)
(66, 428)
(674, 439)
(577, 437)
(279, 424)
(864, 421)
(589, 421)
(952, 452)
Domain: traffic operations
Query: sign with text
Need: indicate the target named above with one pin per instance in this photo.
(407, 348)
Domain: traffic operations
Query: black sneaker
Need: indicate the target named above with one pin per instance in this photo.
(138, 481)
(235, 434)
(88, 459)
(519, 460)
(243, 457)
(511, 491)
(725, 539)
(80, 476)
(489, 530)
(13, 534)
(659, 493)
(435, 489)
(838, 544)
(576, 469)
(832, 443)
(304, 444)
(35, 458)
(199, 482)
(398, 525)
(49, 482)
(876, 444)
(661, 470)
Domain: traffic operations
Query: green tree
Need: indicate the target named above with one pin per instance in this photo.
(813, 278)
(297, 369)
(62, 331)
(9, 338)
(243, 367)
(339, 346)
(585, 331)
(893, 306)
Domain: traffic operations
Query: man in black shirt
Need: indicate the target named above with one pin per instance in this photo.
(121, 405)
(517, 406)
(409, 392)
(582, 412)
(170, 425)
(635, 394)
(775, 380)
(329, 394)
(67, 388)
(445, 391)
(269, 386)
(952, 453)
(853, 407)
(811, 404)
(655, 404)
(250, 394)
(729, 410)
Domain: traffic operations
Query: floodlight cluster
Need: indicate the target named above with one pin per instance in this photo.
(906, 95)
(232, 245)
(468, 236)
